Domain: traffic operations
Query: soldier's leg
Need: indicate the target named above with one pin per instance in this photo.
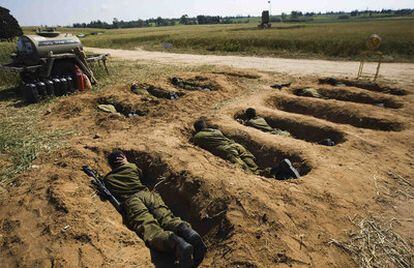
(232, 153)
(161, 212)
(140, 220)
(235, 159)
(248, 158)
(169, 222)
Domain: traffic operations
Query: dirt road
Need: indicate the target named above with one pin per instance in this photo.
(398, 71)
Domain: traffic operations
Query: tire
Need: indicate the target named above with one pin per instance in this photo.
(30, 93)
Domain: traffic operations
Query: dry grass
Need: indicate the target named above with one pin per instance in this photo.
(7, 79)
(373, 244)
(21, 141)
(21, 138)
(318, 40)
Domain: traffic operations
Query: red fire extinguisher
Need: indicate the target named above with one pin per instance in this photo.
(80, 81)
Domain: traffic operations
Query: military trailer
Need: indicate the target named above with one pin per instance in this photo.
(51, 64)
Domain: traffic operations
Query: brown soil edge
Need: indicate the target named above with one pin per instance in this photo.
(351, 96)
(305, 131)
(183, 193)
(266, 156)
(275, 223)
(333, 112)
(368, 85)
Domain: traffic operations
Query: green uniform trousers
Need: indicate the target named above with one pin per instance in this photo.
(147, 215)
(239, 155)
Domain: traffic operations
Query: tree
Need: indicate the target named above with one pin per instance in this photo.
(354, 13)
(184, 19)
(115, 23)
(9, 27)
(296, 14)
(160, 21)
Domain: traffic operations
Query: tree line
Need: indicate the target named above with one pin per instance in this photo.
(294, 16)
(185, 20)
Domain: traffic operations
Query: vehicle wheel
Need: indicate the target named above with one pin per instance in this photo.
(30, 93)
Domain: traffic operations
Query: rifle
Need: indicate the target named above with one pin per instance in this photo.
(97, 181)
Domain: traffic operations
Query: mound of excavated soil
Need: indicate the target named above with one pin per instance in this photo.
(52, 218)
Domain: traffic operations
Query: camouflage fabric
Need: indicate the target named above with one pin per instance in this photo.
(214, 141)
(145, 211)
(154, 91)
(147, 215)
(108, 108)
(280, 132)
(310, 92)
(124, 181)
(261, 124)
(162, 93)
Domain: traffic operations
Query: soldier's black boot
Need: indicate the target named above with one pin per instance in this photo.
(183, 251)
(327, 142)
(286, 170)
(194, 239)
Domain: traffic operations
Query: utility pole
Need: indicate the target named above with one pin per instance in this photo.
(270, 8)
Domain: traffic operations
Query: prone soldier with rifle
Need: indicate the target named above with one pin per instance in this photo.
(146, 213)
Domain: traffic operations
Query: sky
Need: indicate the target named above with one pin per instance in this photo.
(67, 12)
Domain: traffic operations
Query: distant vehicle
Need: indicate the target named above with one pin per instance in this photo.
(265, 20)
(47, 63)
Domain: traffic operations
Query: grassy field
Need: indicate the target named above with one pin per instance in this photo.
(7, 79)
(339, 40)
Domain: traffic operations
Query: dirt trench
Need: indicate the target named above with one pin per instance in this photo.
(185, 195)
(266, 157)
(157, 92)
(125, 108)
(334, 113)
(348, 95)
(305, 131)
(367, 85)
(198, 83)
(239, 74)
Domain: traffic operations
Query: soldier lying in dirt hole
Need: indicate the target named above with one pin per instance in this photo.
(214, 141)
(154, 91)
(253, 120)
(258, 122)
(146, 213)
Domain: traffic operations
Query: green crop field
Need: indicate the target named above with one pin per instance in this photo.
(330, 40)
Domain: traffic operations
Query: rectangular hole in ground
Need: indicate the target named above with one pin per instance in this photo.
(124, 108)
(269, 156)
(334, 113)
(300, 130)
(347, 95)
(184, 194)
(367, 85)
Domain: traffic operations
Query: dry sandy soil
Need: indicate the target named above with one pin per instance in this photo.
(400, 71)
(52, 218)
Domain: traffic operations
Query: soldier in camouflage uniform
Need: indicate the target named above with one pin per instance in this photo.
(147, 215)
(255, 121)
(215, 142)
